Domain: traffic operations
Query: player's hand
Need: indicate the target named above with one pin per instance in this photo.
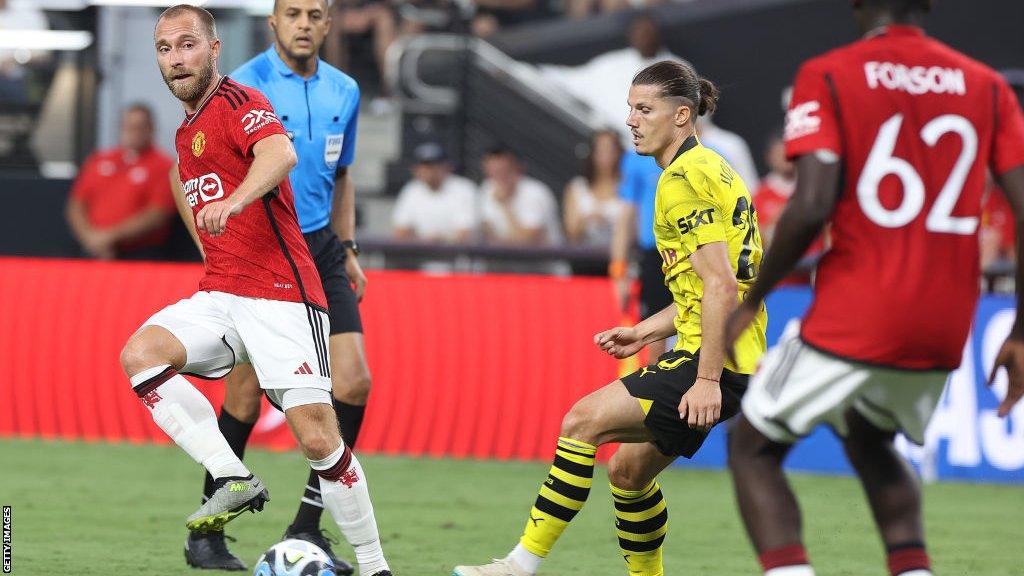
(701, 406)
(737, 323)
(356, 275)
(621, 342)
(213, 218)
(1011, 357)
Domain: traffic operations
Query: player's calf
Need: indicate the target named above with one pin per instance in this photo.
(343, 485)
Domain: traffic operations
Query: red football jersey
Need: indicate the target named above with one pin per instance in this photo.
(917, 125)
(262, 253)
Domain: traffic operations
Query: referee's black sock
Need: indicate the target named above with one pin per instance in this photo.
(350, 418)
(307, 519)
(236, 433)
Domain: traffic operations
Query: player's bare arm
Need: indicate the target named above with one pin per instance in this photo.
(623, 342)
(184, 210)
(623, 237)
(1011, 355)
(273, 157)
(343, 221)
(702, 403)
(805, 215)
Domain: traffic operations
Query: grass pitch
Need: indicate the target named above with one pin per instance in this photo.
(104, 510)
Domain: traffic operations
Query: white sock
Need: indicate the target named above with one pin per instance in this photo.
(918, 572)
(802, 570)
(185, 415)
(525, 559)
(348, 501)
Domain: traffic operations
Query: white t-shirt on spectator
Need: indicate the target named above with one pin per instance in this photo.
(437, 215)
(603, 82)
(533, 205)
(733, 148)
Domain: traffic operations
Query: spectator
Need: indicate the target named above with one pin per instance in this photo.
(592, 203)
(368, 26)
(602, 82)
(435, 206)
(775, 189)
(493, 15)
(731, 146)
(515, 208)
(121, 203)
(636, 227)
(772, 196)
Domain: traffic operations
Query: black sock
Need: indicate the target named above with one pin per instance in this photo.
(236, 433)
(307, 519)
(350, 418)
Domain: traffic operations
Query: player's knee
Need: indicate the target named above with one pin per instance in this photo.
(743, 445)
(138, 354)
(625, 475)
(353, 388)
(317, 445)
(578, 423)
(243, 405)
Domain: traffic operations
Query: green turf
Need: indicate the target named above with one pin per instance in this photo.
(97, 509)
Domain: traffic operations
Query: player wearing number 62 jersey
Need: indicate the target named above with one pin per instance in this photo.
(892, 136)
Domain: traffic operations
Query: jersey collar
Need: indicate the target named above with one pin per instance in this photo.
(895, 30)
(283, 69)
(189, 118)
(687, 145)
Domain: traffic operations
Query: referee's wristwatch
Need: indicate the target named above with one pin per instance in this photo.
(351, 245)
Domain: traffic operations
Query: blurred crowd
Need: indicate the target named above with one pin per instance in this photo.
(120, 207)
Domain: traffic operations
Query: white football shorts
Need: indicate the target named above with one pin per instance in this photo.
(798, 387)
(286, 342)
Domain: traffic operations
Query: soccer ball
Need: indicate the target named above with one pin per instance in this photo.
(294, 558)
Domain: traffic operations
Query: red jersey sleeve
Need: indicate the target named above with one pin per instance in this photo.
(82, 186)
(252, 121)
(1008, 141)
(812, 122)
(159, 186)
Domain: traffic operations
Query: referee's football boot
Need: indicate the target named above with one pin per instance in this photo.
(208, 551)
(320, 539)
(499, 567)
(232, 495)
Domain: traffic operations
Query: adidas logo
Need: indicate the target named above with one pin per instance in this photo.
(304, 369)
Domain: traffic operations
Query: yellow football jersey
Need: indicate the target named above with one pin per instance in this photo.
(700, 199)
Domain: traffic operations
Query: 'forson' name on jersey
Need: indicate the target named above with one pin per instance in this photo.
(915, 79)
(695, 219)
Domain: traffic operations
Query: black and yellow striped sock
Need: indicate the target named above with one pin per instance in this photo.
(641, 519)
(561, 496)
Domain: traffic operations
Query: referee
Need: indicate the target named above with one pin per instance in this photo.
(318, 106)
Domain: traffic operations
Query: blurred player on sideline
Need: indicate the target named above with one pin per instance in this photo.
(706, 230)
(318, 106)
(260, 300)
(892, 136)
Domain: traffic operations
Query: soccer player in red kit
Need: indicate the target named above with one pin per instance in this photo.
(892, 136)
(260, 301)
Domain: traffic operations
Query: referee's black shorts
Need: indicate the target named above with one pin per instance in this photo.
(662, 386)
(329, 256)
(654, 295)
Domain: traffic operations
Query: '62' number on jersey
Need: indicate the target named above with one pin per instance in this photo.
(882, 163)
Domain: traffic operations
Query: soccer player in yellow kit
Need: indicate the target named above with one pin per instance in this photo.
(706, 230)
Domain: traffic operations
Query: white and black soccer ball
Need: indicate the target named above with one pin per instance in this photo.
(294, 558)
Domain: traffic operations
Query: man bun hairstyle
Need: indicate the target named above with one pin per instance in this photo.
(680, 80)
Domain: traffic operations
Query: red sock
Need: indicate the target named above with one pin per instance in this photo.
(908, 557)
(791, 555)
